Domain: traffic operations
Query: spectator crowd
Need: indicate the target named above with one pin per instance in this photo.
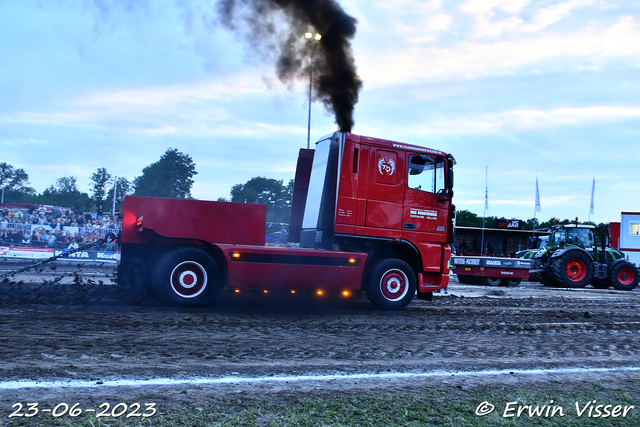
(54, 227)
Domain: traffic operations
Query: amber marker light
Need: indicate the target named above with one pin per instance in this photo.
(237, 291)
(265, 291)
(346, 293)
(319, 292)
(352, 260)
(293, 292)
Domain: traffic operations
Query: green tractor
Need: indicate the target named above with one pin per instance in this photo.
(534, 246)
(574, 259)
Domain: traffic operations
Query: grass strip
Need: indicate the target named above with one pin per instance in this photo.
(439, 406)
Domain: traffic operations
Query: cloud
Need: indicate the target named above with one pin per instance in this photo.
(552, 14)
(527, 52)
(518, 120)
(486, 26)
(485, 7)
(202, 109)
(412, 21)
(507, 122)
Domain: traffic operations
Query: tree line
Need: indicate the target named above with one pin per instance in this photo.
(465, 218)
(170, 176)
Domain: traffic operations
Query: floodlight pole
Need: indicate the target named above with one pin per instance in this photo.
(309, 122)
(309, 36)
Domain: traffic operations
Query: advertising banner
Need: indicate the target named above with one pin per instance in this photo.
(30, 253)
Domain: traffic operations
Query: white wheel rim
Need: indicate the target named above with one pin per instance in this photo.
(394, 285)
(188, 279)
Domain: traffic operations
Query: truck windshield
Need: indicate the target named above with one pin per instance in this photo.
(426, 174)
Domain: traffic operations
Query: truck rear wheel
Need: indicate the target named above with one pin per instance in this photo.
(187, 277)
(462, 278)
(624, 276)
(491, 281)
(511, 282)
(391, 284)
(573, 270)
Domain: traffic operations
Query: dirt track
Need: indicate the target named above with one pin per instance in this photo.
(255, 336)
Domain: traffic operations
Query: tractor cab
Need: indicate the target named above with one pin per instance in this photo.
(563, 236)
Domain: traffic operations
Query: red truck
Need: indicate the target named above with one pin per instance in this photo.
(367, 215)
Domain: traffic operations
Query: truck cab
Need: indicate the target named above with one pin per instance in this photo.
(383, 197)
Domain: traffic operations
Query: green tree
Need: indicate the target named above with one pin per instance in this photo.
(15, 184)
(65, 193)
(171, 176)
(99, 181)
(268, 191)
(466, 218)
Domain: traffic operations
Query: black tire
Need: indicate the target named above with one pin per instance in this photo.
(573, 270)
(187, 277)
(600, 283)
(537, 277)
(463, 278)
(391, 284)
(511, 282)
(624, 276)
(492, 281)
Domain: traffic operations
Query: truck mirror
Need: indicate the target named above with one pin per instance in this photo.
(450, 177)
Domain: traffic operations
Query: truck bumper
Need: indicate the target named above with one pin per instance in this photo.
(429, 282)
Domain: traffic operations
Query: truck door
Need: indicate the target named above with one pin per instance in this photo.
(385, 189)
(426, 210)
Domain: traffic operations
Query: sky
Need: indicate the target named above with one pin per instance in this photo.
(514, 89)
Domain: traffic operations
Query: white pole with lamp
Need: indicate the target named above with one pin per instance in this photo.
(317, 37)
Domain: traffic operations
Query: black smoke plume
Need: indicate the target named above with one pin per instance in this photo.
(276, 28)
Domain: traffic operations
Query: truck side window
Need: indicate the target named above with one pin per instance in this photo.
(426, 174)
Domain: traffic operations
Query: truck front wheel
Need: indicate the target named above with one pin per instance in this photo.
(391, 284)
(187, 277)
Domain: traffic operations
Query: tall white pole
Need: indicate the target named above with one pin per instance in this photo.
(113, 202)
(486, 205)
(310, 88)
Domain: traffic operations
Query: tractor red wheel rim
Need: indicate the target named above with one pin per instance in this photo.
(188, 279)
(394, 285)
(626, 276)
(576, 270)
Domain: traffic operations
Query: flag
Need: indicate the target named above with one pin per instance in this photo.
(538, 209)
(593, 189)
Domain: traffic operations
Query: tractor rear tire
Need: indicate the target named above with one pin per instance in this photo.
(391, 284)
(573, 270)
(600, 283)
(624, 276)
(187, 277)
